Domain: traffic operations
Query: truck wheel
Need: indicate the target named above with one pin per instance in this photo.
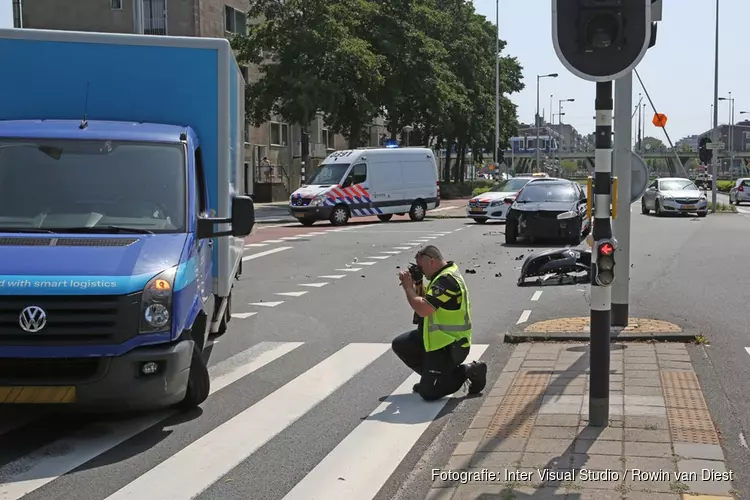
(385, 217)
(418, 211)
(339, 215)
(199, 383)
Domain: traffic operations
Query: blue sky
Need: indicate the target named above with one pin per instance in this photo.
(678, 71)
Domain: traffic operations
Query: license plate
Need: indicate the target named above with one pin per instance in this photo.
(477, 210)
(37, 395)
(299, 214)
(689, 207)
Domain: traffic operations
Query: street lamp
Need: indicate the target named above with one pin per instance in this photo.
(559, 121)
(497, 85)
(539, 77)
(730, 141)
(715, 134)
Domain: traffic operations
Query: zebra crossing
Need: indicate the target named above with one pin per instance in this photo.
(356, 467)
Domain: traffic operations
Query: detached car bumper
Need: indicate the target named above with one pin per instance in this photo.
(684, 206)
(106, 383)
(311, 212)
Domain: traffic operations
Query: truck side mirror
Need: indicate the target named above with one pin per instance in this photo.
(242, 220)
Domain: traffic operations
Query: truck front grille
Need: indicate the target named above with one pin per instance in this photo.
(72, 319)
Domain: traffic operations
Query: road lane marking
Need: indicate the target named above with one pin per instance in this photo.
(536, 295)
(350, 269)
(392, 253)
(256, 245)
(381, 441)
(290, 238)
(366, 263)
(333, 276)
(524, 317)
(273, 241)
(291, 294)
(263, 254)
(31, 472)
(314, 285)
(243, 315)
(193, 469)
(267, 304)
(402, 248)
(379, 257)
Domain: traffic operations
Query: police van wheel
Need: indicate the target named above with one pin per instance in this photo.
(385, 217)
(339, 215)
(418, 211)
(199, 383)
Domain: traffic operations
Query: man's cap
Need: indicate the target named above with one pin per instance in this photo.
(430, 251)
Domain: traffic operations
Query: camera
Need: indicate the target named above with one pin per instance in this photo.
(416, 273)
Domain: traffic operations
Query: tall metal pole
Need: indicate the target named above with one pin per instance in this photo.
(559, 127)
(731, 137)
(138, 17)
(497, 84)
(601, 296)
(621, 225)
(715, 134)
(536, 118)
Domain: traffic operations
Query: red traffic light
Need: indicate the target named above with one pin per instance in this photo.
(606, 249)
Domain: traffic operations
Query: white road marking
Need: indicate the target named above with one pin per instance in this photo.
(290, 238)
(263, 254)
(350, 269)
(291, 294)
(743, 441)
(314, 285)
(256, 245)
(392, 253)
(381, 441)
(460, 228)
(747, 349)
(536, 295)
(243, 315)
(192, 470)
(524, 317)
(333, 276)
(402, 248)
(46, 464)
(366, 263)
(273, 241)
(379, 257)
(267, 304)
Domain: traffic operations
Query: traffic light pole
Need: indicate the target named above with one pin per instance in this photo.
(601, 296)
(621, 225)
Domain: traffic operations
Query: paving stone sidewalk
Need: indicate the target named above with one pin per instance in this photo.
(661, 443)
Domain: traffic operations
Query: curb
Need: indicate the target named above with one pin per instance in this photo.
(615, 336)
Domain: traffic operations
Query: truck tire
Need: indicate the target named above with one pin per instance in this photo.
(199, 383)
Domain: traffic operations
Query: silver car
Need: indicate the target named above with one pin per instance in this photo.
(740, 192)
(674, 195)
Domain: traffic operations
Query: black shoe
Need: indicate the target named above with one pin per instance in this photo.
(415, 388)
(476, 373)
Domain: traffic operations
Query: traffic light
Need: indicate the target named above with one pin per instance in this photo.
(605, 262)
(602, 40)
(704, 154)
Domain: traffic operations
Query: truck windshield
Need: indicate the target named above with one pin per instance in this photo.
(329, 173)
(91, 186)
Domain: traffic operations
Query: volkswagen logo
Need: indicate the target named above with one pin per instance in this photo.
(32, 319)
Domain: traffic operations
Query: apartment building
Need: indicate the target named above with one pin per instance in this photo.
(277, 141)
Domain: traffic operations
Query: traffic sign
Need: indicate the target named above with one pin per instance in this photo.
(715, 145)
(638, 176)
(660, 120)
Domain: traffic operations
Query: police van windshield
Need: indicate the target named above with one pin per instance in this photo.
(331, 173)
(92, 186)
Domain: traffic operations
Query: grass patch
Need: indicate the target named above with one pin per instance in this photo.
(723, 208)
(702, 340)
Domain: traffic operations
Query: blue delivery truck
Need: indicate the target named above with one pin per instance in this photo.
(123, 212)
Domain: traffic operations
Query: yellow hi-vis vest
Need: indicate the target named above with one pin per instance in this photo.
(443, 327)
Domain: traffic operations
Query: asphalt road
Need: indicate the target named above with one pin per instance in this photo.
(298, 408)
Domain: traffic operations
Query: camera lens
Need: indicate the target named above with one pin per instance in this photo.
(602, 31)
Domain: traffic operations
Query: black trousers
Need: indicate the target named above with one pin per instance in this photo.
(442, 372)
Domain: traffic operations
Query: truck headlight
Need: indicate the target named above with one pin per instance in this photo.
(318, 200)
(156, 302)
(567, 215)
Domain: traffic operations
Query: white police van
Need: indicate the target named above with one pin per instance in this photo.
(366, 182)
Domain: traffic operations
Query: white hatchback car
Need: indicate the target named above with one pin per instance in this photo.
(492, 205)
(740, 192)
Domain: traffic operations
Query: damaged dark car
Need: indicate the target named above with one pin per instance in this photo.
(548, 209)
